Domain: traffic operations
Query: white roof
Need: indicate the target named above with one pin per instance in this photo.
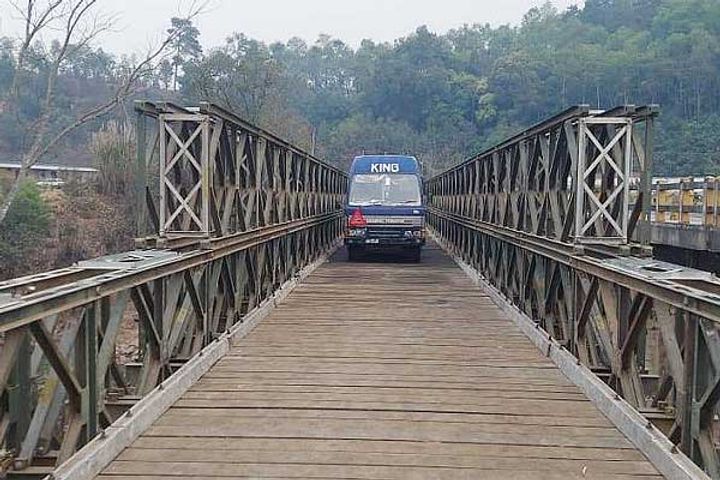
(57, 168)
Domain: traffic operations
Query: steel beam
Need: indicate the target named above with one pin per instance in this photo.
(235, 214)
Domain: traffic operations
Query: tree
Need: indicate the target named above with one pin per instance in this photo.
(79, 23)
(241, 76)
(185, 45)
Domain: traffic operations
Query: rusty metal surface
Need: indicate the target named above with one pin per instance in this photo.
(382, 369)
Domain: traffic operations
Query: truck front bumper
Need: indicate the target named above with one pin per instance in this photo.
(386, 236)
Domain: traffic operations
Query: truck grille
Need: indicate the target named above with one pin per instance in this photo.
(385, 232)
(409, 221)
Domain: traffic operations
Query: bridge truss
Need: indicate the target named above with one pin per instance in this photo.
(228, 213)
(557, 220)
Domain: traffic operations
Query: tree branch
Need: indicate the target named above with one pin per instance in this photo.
(76, 12)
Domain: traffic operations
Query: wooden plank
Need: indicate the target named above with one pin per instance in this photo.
(259, 470)
(376, 415)
(244, 457)
(183, 444)
(384, 370)
(440, 430)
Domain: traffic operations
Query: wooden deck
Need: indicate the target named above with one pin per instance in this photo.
(384, 370)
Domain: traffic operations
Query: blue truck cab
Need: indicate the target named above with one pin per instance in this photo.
(384, 207)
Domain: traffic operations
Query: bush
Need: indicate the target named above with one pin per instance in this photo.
(113, 149)
(23, 230)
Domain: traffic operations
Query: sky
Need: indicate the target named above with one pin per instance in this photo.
(140, 23)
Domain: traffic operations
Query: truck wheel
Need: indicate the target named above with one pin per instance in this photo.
(415, 253)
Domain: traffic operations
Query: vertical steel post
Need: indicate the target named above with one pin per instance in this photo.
(627, 171)
(162, 138)
(644, 233)
(206, 166)
(687, 442)
(158, 318)
(19, 407)
(580, 180)
(140, 173)
(90, 337)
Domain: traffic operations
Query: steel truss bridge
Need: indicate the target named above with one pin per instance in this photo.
(554, 346)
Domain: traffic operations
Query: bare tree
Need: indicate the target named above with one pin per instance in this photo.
(78, 22)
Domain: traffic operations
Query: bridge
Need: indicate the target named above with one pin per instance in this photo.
(685, 221)
(538, 338)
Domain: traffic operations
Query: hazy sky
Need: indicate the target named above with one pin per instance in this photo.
(140, 22)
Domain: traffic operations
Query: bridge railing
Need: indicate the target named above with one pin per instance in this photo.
(648, 328)
(228, 214)
(686, 201)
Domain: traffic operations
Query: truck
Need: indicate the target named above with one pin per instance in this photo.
(385, 209)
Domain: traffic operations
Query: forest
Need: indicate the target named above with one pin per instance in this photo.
(439, 96)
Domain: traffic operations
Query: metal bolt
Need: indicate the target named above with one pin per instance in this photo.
(649, 425)
(617, 397)
(674, 449)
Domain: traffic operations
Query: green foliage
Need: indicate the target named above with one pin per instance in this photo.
(241, 76)
(689, 148)
(186, 48)
(439, 96)
(23, 230)
(444, 97)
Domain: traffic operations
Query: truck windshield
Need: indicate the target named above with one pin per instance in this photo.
(384, 189)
